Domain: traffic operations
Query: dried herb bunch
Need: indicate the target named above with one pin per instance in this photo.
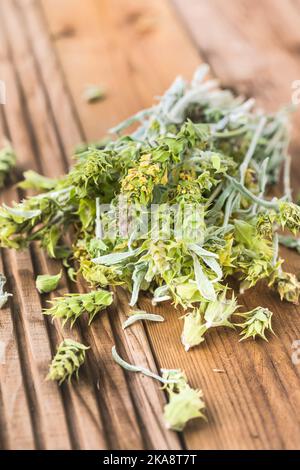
(199, 146)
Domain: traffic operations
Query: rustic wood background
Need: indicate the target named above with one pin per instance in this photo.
(49, 50)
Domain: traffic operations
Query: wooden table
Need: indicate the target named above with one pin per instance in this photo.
(49, 51)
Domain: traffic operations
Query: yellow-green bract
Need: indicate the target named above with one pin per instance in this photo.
(69, 357)
(185, 403)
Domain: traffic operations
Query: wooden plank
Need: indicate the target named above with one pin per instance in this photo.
(15, 421)
(44, 403)
(242, 413)
(133, 344)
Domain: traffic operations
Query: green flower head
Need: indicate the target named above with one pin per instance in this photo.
(69, 357)
(72, 306)
(193, 329)
(185, 403)
(218, 313)
(256, 322)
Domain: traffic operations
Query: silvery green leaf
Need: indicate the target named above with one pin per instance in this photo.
(204, 285)
(141, 315)
(115, 258)
(142, 370)
(213, 264)
(201, 251)
(23, 214)
(245, 192)
(161, 294)
(137, 278)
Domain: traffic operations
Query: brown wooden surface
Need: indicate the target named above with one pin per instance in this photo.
(49, 50)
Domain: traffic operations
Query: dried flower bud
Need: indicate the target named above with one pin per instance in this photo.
(257, 321)
(72, 306)
(69, 357)
(264, 224)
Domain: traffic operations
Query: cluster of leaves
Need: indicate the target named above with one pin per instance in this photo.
(200, 146)
(256, 322)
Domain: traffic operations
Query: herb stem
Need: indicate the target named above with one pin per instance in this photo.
(142, 370)
(243, 190)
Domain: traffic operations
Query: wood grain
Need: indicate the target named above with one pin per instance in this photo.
(49, 51)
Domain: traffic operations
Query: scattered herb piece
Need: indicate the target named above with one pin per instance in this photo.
(93, 93)
(256, 322)
(184, 402)
(208, 315)
(141, 315)
(287, 285)
(69, 357)
(72, 306)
